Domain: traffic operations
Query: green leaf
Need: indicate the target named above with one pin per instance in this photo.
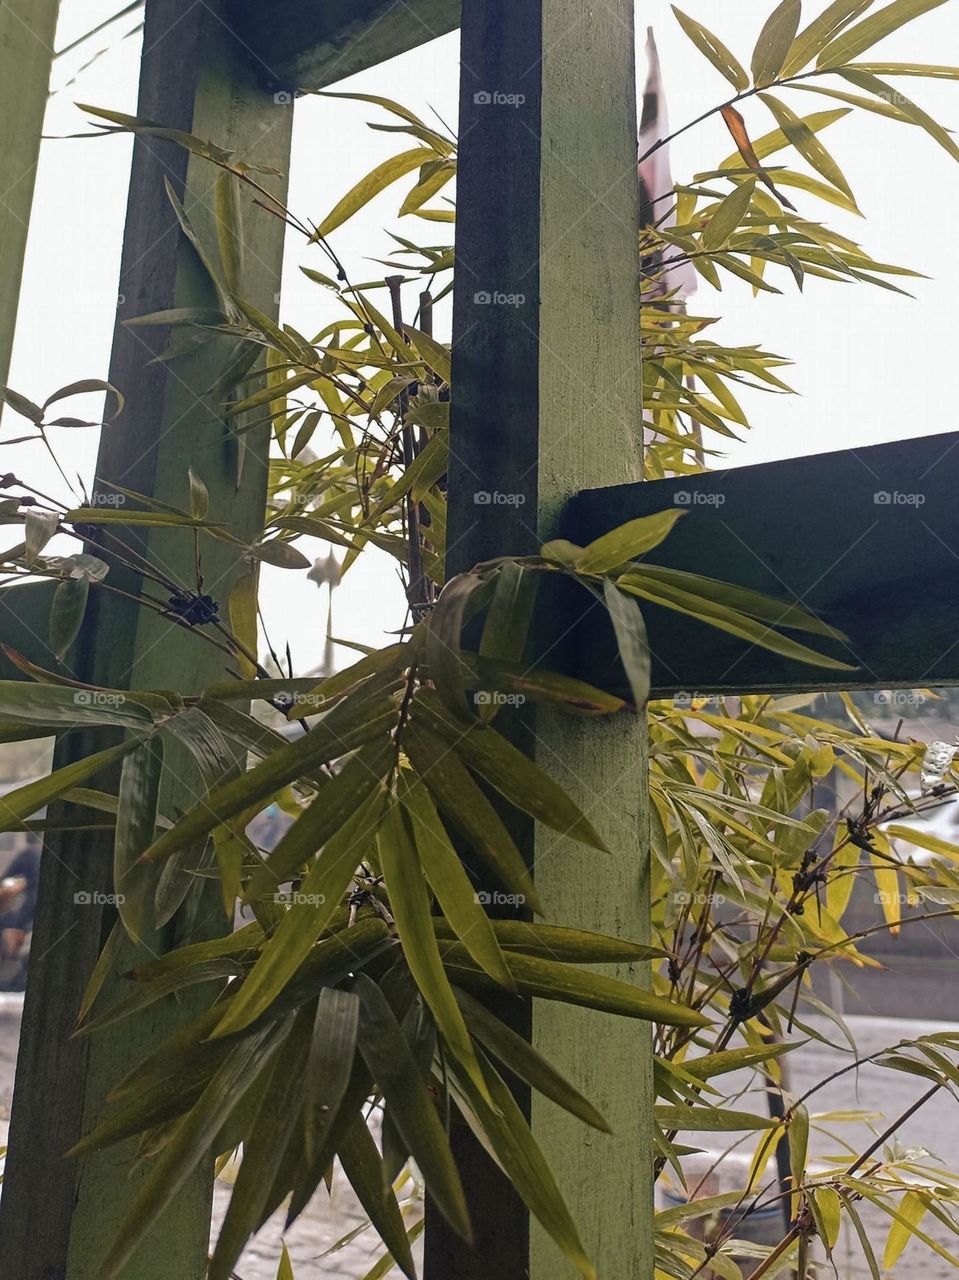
(285, 1269)
(814, 38)
(512, 773)
(510, 613)
(189, 1145)
(519, 1057)
(83, 387)
(153, 519)
(66, 613)
(431, 352)
(714, 49)
(550, 980)
(703, 1119)
(133, 880)
(377, 180)
(767, 608)
(807, 144)
(556, 942)
(629, 541)
(775, 41)
(524, 1163)
(726, 220)
(263, 1149)
(410, 904)
(797, 1133)
(20, 404)
(330, 1064)
(186, 226)
(631, 638)
(229, 228)
(908, 108)
(351, 724)
(391, 1063)
(280, 554)
(872, 29)
(469, 810)
(912, 1210)
(336, 803)
(448, 880)
(736, 624)
(443, 641)
(365, 1171)
(929, 71)
(318, 899)
(20, 803)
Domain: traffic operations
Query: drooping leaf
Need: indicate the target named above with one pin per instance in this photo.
(377, 180)
(628, 542)
(876, 27)
(631, 639)
(821, 32)
(394, 1069)
(135, 881)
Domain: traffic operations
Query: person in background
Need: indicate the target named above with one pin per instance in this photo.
(18, 900)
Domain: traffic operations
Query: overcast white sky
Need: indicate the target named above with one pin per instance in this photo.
(870, 366)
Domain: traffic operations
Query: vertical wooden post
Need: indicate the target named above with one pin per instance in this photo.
(27, 29)
(547, 401)
(57, 1219)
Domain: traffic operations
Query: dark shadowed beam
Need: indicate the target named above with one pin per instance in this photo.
(309, 44)
(57, 1216)
(867, 539)
(546, 378)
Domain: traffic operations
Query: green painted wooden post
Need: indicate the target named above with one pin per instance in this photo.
(27, 29)
(57, 1219)
(546, 403)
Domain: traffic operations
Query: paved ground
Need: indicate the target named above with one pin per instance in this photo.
(936, 1128)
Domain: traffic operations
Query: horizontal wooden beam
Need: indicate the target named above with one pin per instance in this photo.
(309, 44)
(867, 539)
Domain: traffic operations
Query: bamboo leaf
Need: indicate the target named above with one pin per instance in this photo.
(775, 41)
(377, 180)
(66, 613)
(394, 1070)
(807, 144)
(886, 93)
(713, 49)
(512, 773)
(134, 881)
(468, 809)
(366, 1173)
(631, 638)
(448, 880)
(873, 29)
(524, 1163)
(330, 1065)
(188, 1146)
(703, 1119)
(629, 541)
(550, 980)
(20, 803)
(912, 1210)
(820, 32)
(410, 904)
(519, 1057)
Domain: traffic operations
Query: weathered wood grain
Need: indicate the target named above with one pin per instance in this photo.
(546, 376)
(56, 1219)
(27, 29)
